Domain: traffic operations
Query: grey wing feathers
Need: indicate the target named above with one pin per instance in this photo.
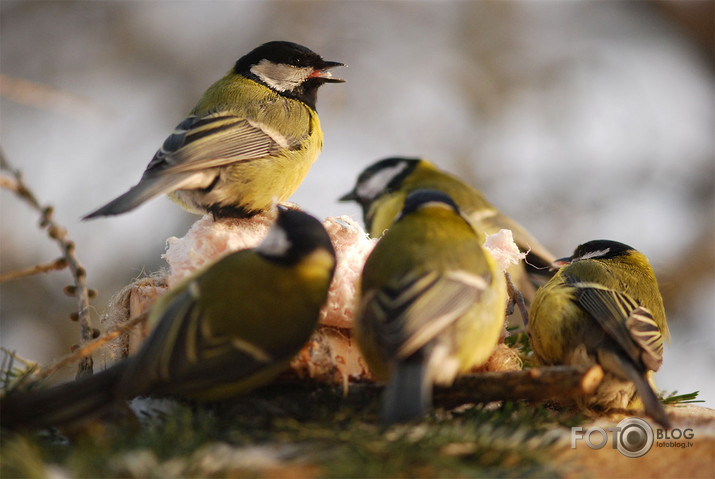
(646, 334)
(183, 357)
(146, 189)
(153, 362)
(196, 145)
(215, 140)
(414, 311)
(630, 325)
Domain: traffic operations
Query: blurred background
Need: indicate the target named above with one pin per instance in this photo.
(581, 120)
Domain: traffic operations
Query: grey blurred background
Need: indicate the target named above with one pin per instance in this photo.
(582, 120)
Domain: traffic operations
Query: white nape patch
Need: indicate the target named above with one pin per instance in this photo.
(276, 242)
(435, 204)
(279, 76)
(377, 183)
(593, 254)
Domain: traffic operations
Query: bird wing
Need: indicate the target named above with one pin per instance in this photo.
(644, 330)
(410, 313)
(630, 325)
(182, 356)
(214, 140)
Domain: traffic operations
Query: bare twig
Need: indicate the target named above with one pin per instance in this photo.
(46, 97)
(515, 297)
(60, 263)
(90, 346)
(59, 234)
(8, 183)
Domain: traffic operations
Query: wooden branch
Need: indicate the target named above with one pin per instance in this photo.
(536, 384)
(59, 235)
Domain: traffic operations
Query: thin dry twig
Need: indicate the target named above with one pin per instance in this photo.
(89, 347)
(46, 97)
(59, 235)
(517, 298)
(58, 264)
(8, 183)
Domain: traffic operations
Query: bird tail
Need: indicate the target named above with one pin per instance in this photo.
(652, 405)
(61, 404)
(408, 394)
(148, 188)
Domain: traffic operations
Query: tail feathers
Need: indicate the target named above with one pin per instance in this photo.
(408, 394)
(149, 187)
(652, 405)
(62, 404)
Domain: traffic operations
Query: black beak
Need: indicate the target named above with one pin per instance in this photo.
(559, 263)
(349, 196)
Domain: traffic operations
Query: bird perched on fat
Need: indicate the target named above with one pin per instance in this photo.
(247, 144)
(230, 327)
(381, 190)
(604, 307)
(432, 304)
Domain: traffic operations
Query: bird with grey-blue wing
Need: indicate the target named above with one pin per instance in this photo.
(247, 144)
(432, 304)
(603, 307)
(382, 187)
(228, 328)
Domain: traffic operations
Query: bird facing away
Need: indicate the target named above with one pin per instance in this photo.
(229, 328)
(432, 304)
(604, 307)
(247, 144)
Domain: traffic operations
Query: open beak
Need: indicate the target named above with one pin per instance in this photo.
(325, 75)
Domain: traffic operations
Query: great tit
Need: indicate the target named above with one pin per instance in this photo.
(432, 304)
(230, 327)
(603, 307)
(381, 190)
(247, 144)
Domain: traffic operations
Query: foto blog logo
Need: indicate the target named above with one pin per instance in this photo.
(633, 437)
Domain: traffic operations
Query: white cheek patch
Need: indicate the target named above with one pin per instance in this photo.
(594, 254)
(378, 182)
(279, 76)
(276, 242)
